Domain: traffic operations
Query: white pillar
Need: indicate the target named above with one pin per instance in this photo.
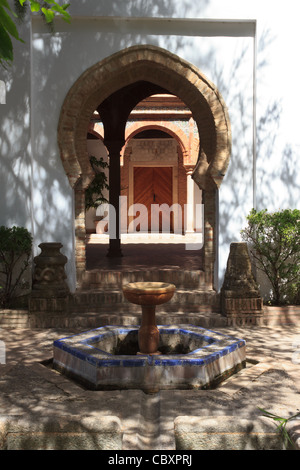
(190, 204)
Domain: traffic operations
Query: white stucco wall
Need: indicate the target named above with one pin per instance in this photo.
(33, 187)
(15, 139)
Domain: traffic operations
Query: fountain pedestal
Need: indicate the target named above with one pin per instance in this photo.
(148, 295)
(148, 334)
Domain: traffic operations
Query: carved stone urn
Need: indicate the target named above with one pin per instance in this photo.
(240, 296)
(49, 274)
(148, 295)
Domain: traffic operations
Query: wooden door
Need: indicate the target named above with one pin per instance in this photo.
(153, 185)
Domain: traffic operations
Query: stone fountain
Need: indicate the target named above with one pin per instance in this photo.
(149, 357)
(148, 295)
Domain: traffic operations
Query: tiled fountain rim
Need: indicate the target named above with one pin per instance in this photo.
(218, 345)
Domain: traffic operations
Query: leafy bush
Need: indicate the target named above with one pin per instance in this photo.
(15, 252)
(274, 242)
(93, 194)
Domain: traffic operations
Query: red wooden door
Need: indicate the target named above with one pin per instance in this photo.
(153, 185)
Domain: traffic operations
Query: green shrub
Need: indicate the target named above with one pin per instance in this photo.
(274, 242)
(15, 252)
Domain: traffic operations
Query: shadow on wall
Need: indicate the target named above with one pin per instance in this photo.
(34, 190)
(70, 50)
(29, 141)
(23, 171)
(140, 8)
(289, 171)
(277, 181)
(235, 198)
(35, 207)
(15, 162)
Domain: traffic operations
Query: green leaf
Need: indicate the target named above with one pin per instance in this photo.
(8, 24)
(6, 47)
(34, 6)
(49, 15)
(61, 9)
(5, 4)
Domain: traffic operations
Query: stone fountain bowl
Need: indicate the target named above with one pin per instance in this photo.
(148, 293)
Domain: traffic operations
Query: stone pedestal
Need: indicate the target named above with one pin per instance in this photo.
(49, 273)
(240, 298)
(50, 292)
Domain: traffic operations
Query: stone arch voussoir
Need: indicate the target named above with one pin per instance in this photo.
(162, 68)
(149, 63)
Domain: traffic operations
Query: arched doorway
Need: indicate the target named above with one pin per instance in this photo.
(153, 174)
(163, 71)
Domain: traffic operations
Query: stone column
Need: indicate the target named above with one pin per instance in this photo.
(80, 234)
(114, 150)
(240, 298)
(209, 237)
(190, 203)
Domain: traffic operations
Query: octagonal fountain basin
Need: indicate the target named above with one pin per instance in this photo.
(190, 357)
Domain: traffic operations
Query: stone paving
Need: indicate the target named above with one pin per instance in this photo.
(42, 409)
(144, 250)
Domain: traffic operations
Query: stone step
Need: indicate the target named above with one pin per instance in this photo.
(109, 300)
(131, 309)
(61, 433)
(226, 432)
(108, 279)
(92, 319)
(14, 318)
